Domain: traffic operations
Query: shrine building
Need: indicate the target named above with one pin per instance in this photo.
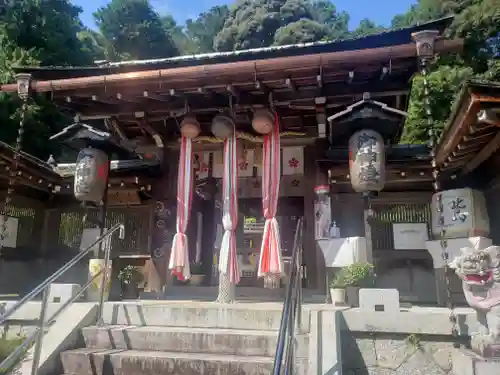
(298, 115)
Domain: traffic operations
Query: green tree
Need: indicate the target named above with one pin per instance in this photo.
(478, 22)
(261, 23)
(42, 118)
(203, 30)
(36, 32)
(134, 30)
(325, 13)
(367, 27)
(48, 26)
(303, 31)
(183, 44)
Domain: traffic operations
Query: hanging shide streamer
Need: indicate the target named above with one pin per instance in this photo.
(270, 262)
(228, 262)
(179, 256)
(91, 175)
(367, 161)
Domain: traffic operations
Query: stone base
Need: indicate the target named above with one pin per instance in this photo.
(466, 362)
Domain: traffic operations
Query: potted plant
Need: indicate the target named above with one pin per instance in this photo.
(337, 288)
(357, 276)
(130, 277)
(197, 275)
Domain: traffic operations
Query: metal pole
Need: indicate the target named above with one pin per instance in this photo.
(107, 250)
(102, 210)
(40, 333)
(104, 279)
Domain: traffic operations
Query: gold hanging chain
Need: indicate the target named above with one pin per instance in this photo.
(443, 242)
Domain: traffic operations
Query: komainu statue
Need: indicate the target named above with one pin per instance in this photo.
(479, 271)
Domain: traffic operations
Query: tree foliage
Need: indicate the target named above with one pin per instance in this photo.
(367, 27)
(478, 22)
(203, 30)
(134, 30)
(261, 23)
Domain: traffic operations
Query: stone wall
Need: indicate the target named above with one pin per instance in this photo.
(415, 341)
(395, 354)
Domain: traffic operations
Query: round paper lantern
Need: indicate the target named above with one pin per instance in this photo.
(367, 161)
(190, 127)
(223, 126)
(91, 175)
(263, 121)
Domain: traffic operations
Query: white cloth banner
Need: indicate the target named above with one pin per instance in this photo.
(293, 161)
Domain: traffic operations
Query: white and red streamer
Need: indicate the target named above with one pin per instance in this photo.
(228, 262)
(270, 262)
(179, 255)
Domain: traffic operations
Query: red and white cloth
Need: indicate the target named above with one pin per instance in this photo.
(228, 262)
(179, 255)
(270, 262)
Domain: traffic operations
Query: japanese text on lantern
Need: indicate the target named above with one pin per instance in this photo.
(367, 161)
(451, 210)
(367, 157)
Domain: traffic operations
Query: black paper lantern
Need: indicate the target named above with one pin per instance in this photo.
(91, 175)
(367, 161)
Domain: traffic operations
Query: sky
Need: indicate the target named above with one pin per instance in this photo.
(380, 11)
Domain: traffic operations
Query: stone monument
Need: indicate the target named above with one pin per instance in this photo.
(479, 271)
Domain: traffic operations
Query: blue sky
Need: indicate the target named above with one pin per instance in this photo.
(381, 11)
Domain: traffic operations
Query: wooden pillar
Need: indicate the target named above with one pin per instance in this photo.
(208, 238)
(367, 216)
(309, 256)
(164, 198)
(313, 257)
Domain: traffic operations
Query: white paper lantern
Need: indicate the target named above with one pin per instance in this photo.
(223, 126)
(367, 161)
(263, 121)
(190, 127)
(91, 175)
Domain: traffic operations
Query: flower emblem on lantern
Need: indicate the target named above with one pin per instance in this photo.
(293, 163)
(295, 183)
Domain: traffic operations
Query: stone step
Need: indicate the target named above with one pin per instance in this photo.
(263, 316)
(193, 340)
(132, 362)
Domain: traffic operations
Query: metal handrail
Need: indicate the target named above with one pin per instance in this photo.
(291, 315)
(43, 288)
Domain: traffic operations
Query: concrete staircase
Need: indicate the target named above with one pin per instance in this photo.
(184, 338)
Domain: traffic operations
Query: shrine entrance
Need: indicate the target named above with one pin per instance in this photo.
(402, 265)
(250, 231)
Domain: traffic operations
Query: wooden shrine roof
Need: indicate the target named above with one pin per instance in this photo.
(34, 177)
(471, 139)
(300, 81)
(40, 180)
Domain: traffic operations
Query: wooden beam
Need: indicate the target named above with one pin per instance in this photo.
(277, 64)
(332, 91)
(458, 129)
(153, 96)
(482, 155)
